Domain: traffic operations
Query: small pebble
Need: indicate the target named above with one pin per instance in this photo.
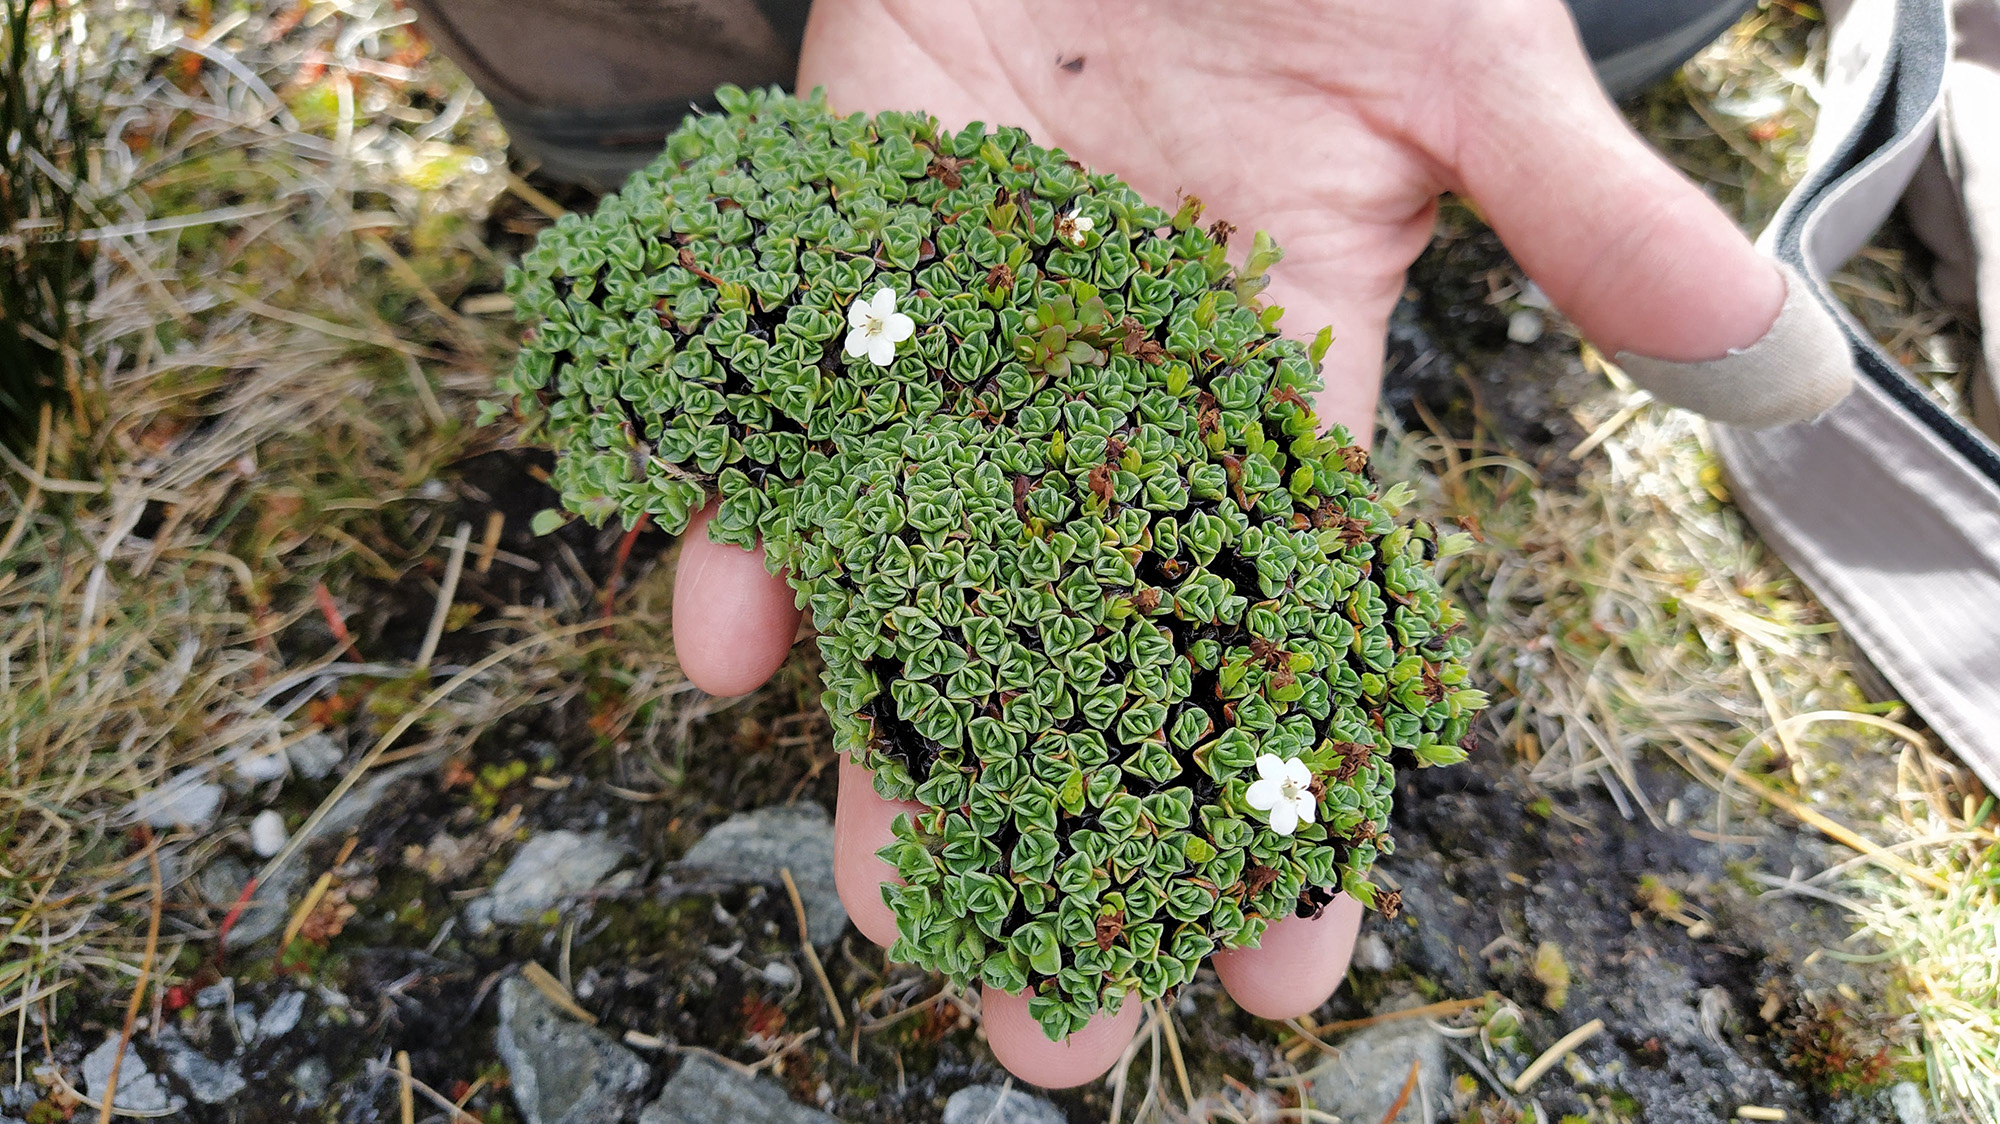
(267, 833)
(183, 801)
(1908, 1101)
(260, 767)
(283, 1015)
(1372, 954)
(315, 756)
(1525, 326)
(312, 1079)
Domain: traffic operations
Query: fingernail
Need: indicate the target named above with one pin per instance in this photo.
(1799, 370)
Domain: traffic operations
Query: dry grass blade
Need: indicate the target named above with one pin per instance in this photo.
(133, 1004)
(1554, 1054)
(43, 433)
(1831, 828)
(448, 589)
(809, 952)
(402, 726)
(1173, 1039)
(305, 908)
(406, 1093)
(452, 1110)
(1403, 1097)
(1442, 1009)
(557, 994)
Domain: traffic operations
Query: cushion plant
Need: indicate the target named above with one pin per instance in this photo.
(1090, 583)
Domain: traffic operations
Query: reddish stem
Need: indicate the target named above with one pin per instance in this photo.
(618, 561)
(334, 623)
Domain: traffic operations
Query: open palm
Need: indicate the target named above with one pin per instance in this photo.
(1334, 125)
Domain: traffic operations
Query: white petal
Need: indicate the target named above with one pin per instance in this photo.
(1263, 795)
(1306, 807)
(881, 351)
(1083, 222)
(884, 303)
(859, 314)
(857, 341)
(1297, 772)
(1270, 766)
(1284, 818)
(900, 327)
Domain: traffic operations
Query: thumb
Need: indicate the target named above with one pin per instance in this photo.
(1632, 252)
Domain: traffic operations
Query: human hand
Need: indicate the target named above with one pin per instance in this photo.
(1333, 125)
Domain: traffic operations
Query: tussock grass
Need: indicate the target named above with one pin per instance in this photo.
(276, 376)
(1633, 611)
(1944, 940)
(45, 126)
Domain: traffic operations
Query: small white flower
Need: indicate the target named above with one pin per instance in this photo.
(1284, 789)
(1073, 226)
(874, 327)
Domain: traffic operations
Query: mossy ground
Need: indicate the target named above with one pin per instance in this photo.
(315, 434)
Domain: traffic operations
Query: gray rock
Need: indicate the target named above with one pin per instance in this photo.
(563, 1071)
(754, 846)
(138, 1089)
(312, 1079)
(282, 1016)
(1368, 1075)
(999, 1104)
(548, 868)
(704, 1091)
(1908, 1101)
(363, 798)
(185, 800)
(478, 916)
(315, 755)
(210, 1081)
(246, 1022)
(221, 881)
(1372, 954)
(212, 996)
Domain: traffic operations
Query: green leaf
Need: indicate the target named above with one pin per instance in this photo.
(1079, 536)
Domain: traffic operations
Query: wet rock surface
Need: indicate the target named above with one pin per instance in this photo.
(185, 800)
(756, 846)
(1695, 1015)
(563, 1072)
(221, 883)
(549, 868)
(1367, 1078)
(704, 1091)
(207, 1080)
(138, 1089)
(999, 1104)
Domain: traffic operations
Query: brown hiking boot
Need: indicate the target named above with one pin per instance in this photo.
(590, 88)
